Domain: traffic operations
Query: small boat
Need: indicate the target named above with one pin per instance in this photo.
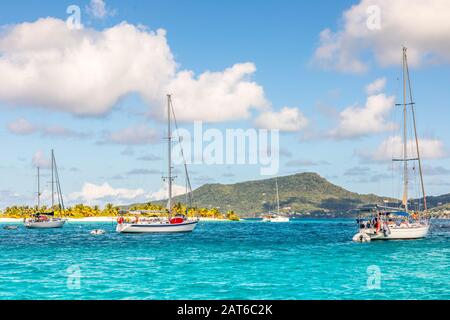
(10, 227)
(277, 218)
(44, 221)
(169, 224)
(174, 225)
(97, 232)
(47, 220)
(389, 224)
(408, 221)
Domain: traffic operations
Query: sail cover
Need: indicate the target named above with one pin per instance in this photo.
(401, 213)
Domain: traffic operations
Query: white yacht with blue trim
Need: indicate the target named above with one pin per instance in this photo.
(411, 219)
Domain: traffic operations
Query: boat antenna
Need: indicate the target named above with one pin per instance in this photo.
(425, 206)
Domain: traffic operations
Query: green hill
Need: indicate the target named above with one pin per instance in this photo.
(437, 201)
(304, 192)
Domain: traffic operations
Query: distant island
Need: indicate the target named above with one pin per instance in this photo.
(301, 195)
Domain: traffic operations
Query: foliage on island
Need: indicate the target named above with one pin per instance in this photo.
(84, 211)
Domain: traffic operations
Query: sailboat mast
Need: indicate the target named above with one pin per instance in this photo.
(169, 153)
(405, 137)
(53, 181)
(39, 189)
(425, 206)
(278, 197)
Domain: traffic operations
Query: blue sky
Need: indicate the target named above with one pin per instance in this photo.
(280, 39)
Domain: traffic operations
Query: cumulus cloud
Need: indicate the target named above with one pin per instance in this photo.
(86, 72)
(41, 160)
(392, 148)
(376, 87)
(93, 194)
(135, 135)
(22, 126)
(217, 96)
(361, 121)
(287, 119)
(163, 193)
(98, 9)
(422, 26)
(12, 198)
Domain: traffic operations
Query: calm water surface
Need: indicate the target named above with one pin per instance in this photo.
(304, 259)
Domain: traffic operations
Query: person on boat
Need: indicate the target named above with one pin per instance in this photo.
(377, 225)
(404, 224)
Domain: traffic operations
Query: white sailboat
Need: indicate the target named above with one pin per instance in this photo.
(404, 222)
(276, 217)
(171, 224)
(47, 220)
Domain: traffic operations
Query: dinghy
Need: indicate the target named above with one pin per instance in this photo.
(97, 232)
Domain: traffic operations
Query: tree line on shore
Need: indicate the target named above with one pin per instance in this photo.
(109, 210)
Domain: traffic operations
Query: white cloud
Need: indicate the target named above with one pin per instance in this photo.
(63, 132)
(392, 148)
(135, 135)
(361, 121)
(92, 194)
(98, 9)
(422, 26)
(287, 119)
(41, 160)
(163, 193)
(86, 72)
(376, 87)
(22, 127)
(217, 96)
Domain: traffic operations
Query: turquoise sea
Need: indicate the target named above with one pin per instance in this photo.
(304, 259)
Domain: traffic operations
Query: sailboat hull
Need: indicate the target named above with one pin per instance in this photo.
(156, 227)
(276, 219)
(407, 233)
(53, 224)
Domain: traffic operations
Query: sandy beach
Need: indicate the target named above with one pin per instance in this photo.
(93, 219)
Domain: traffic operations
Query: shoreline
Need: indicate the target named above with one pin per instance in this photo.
(97, 219)
(113, 219)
